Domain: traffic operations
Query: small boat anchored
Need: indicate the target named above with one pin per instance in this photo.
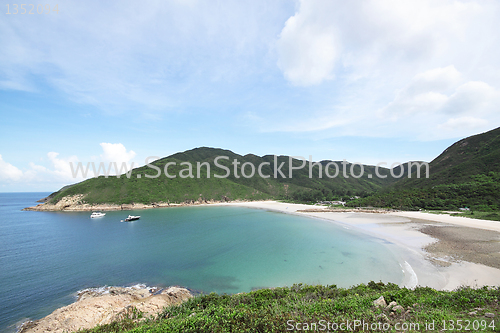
(96, 214)
(131, 218)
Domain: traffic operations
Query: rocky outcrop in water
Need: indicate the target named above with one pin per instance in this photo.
(101, 306)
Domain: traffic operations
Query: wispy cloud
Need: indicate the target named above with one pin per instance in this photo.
(390, 62)
(123, 55)
(62, 170)
(116, 152)
(8, 172)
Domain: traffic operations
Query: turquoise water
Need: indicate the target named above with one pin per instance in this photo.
(45, 257)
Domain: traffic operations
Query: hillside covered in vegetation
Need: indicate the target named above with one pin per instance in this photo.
(141, 188)
(467, 174)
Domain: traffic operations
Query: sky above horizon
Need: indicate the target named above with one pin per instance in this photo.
(366, 81)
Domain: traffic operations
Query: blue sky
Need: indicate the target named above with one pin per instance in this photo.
(366, 81)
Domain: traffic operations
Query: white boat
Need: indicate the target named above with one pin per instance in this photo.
(131, 218)
(96, 214)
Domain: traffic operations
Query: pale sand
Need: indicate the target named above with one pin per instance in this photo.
(443, 252)
(456, 220)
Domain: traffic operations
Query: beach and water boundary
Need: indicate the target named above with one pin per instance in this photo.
(430, 246)
(428, 257)
(48, 256)
(445, 252)
(403, 230)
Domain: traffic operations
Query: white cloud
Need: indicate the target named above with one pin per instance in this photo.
(61, 167)
(8, 172)
(364, 37)
(474, 98)
(313, 125)
(124, 56)
(333, 66)
(434, 80)
(463, 123)
(438, 104)
(439, 91)
(57, 171)
(308, 47)
(63, 170)
(116, 152)
(402, 68)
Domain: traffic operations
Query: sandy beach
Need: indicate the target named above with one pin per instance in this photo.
(443, 252)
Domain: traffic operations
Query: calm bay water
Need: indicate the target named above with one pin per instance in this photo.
(45, 257)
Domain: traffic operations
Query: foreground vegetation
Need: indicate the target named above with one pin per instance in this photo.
(299, 306)
(481, 193)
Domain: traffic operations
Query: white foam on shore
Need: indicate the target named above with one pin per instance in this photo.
(105, 289)
(138, 286)
(410, 275)
(98, 290)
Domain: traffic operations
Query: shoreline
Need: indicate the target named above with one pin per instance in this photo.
(423, 243)
(432, 245)
(75, 203)
(429, 246)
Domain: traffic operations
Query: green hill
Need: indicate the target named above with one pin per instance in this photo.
(466, 174)
(300, 186)
(462, 162)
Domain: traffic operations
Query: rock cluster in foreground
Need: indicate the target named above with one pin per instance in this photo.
(105, 305)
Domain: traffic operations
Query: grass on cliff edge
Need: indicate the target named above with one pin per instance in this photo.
(272, 310)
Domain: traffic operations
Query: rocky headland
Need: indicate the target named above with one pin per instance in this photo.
(76, 203)
(99, 306)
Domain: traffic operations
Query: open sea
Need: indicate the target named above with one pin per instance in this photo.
(46, 257)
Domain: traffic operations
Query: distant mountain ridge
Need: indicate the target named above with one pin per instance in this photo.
(177, 190)
(476, 155)
(466, 174)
